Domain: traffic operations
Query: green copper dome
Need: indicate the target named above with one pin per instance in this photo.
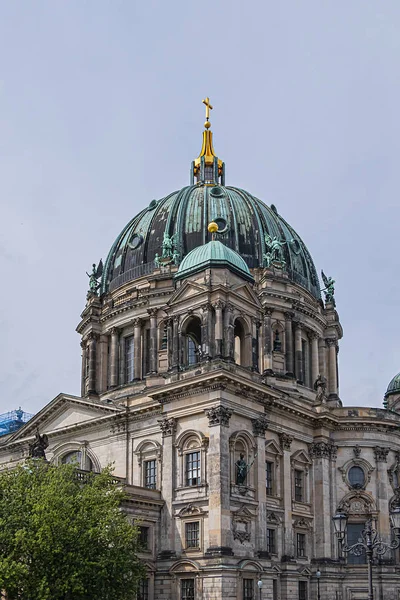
(394, 386)
(182, 217)
(215, 255)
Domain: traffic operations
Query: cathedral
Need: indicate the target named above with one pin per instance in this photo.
(210, 380)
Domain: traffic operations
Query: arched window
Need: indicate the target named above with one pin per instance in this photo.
(77, 458)
(239, 343)
(192, 341)
(277, 341)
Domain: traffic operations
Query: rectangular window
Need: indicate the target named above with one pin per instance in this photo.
(192, 534)
(269, 478)
(146, 351)
(143, 591)
(302, 590)
(271, 541)
(144, 537)
(248, 589)
(354, 531)
(193, 468)
(301, 544)
(150, 474)
(298, 486)
(187, 589)
(129, 359)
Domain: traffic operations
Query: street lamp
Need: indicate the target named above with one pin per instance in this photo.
(368, 541)
(318, 575)
(260, 584)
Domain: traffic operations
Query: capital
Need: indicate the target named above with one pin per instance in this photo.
(285, 440)
(260, 425)
(167, 426)
(219, 305)
(218, 415)
(330, 342)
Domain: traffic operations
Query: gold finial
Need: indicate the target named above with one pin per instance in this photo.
(212, 228)
(206, 101)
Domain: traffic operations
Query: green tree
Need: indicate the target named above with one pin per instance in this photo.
(64, 538)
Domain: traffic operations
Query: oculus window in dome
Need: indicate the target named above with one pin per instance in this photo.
(168, 229)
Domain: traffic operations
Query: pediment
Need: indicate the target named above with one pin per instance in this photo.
(61, 413)
(246, 292)
(187, 291)
(272, 447)
(301, 457)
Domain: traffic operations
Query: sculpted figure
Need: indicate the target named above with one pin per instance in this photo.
(94, 276)
(320, 387)
(274, 250)
(38, 446)
(329, 289)
(242, 468)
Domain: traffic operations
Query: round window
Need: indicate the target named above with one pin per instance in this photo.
(222, 224)
(356, 477)
(136, 241)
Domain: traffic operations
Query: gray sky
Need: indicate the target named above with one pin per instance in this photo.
(100, 111)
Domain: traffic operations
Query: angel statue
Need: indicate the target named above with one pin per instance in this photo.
(96, 273)
(274, 253)
(38, 446)
(329, 289)
(167, 245)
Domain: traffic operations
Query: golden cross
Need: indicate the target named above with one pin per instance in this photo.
(208, 108)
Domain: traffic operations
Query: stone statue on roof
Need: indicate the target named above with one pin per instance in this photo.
(329, 289)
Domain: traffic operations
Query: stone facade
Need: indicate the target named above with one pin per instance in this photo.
(180, 381)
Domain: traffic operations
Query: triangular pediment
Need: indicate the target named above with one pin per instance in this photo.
(63, 412)
(272, 447)
(187, 291)
(246, 292)
(301, 457)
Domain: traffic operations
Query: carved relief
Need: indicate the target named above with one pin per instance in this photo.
(357, 451)
(218, 415)
(322, 450)
(380, 453)
(241, 524)
(357, 504)
(260, 426)
(285, 440)
(168, 426)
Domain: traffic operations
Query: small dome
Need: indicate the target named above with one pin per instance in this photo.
(394, 386)
(215, 255)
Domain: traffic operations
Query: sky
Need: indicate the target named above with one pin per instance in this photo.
(101, 111)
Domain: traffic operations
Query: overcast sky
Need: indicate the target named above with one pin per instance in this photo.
(100, 112)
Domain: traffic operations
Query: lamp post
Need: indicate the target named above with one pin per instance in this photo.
(260, 584)
(368, 542)
(318, 575)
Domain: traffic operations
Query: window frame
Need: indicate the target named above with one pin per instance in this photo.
(270, 489)
(303, 594)
(181, 591)
(248, 581)
(301, 544)
(192, 547)
(299, 490)
(271, 543)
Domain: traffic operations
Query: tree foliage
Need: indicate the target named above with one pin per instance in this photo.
(62, 538)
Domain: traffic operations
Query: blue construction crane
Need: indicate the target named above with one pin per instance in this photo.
(13, 420)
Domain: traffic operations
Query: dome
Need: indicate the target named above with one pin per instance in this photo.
(170, 228)
(394, 386)
(216, 255)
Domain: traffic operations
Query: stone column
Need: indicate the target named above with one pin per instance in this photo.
(121, 361)
(114, 357)
(168, 479)
(229, 350)
(92, 363)
(381, 496)
(83, 373)
(306, 374)
(289, 344)
(137, 348)
(331, 343)
(175, 343)
(286, 486)
(170, 342)
(206, 331)
(254, 344)
(102, 352)
(218, 307)
(299, 354)
(267, 340)
(322, 454)
(260, 426)
(219, 514)
(321, 357)
(153, 340)
(314, 358)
